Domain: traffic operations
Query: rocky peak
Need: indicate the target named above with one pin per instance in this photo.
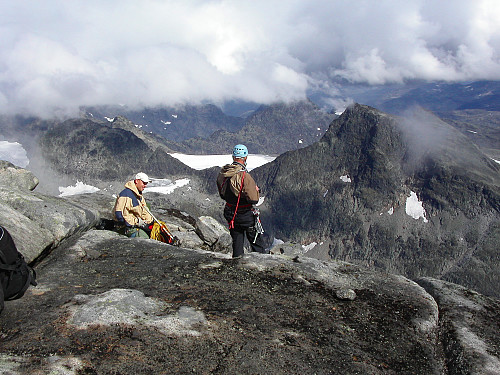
(374, 191)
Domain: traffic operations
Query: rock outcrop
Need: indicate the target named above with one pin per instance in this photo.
(39, 223)
(14, 177)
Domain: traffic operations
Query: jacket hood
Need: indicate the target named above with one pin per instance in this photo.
(131, 185)
(230, 170)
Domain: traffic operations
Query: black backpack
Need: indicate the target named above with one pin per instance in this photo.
(15, 274)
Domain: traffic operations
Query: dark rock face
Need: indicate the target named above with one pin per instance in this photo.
(351, 192)
(88, 150)
(278, 128)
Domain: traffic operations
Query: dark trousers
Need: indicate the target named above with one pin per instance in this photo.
(244, 225)
(238, 235)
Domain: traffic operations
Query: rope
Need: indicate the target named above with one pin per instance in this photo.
(231, 223)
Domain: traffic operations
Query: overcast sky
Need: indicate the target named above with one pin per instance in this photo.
(58, 55)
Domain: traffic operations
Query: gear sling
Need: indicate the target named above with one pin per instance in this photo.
(231, 223)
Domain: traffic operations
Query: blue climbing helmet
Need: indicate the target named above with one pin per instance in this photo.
(240, 151)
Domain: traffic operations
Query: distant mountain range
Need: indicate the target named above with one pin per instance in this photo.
(437, 97)
(175, 124)
(474, 108)
(270, 129)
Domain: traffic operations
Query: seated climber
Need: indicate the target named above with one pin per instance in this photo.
(132, 216)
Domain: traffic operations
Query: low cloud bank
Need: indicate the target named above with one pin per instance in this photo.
(56, 57)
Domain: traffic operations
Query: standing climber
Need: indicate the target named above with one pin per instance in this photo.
(240, 192)
(130, 208)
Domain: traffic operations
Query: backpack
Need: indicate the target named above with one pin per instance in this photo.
(15, 274)
(160, 232)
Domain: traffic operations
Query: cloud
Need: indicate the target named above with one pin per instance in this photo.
(57, 56)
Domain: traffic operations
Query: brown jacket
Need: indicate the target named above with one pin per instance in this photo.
(229, 184)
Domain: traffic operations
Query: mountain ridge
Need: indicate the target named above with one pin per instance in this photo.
(364, 220)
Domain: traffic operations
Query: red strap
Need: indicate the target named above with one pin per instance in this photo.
(231, 223)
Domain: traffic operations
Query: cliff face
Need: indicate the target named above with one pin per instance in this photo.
(409, 195)
(109, 304)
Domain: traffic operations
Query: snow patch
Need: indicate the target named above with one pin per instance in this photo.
(78, 188)
(200, 162)
(414, 207)
(109, 118)
(309, 247)
(165, 186)
(496, 161)
(345, 178)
